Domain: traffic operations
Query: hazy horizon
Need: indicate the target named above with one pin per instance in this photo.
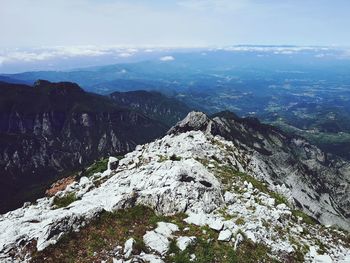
(67, 34)
(185, 23)
(18, 60)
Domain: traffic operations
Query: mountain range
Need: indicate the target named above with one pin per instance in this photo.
(185, 186)
(302, 90)
(51, 129)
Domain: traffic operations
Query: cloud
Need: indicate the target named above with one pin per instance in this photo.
(73, 51)
(26, 56)
(283, 50)
(167, 58)
(41, 54)
(125, 55)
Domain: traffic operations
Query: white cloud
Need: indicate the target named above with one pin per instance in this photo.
(167, 58)
(52, 53)
(26, 56)
(73, 51)
(284, 50)
(125, 55)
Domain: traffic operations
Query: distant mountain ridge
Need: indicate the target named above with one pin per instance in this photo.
(153, 104)
(56, 127)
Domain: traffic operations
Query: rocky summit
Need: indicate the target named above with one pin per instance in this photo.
(214, 189)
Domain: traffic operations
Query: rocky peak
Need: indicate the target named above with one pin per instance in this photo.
(194, 121)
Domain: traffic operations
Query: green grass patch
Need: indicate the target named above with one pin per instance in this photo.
(95, 241)
(204, 250)
(240, 221)
(279, 199)
(98, 167)
(210, 250)
(249, 252)
(173, 157)
(322, 248)
(306, 218)
(64, 201)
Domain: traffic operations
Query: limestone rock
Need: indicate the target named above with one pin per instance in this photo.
(183, 242)
(225, 235)
(128, 247)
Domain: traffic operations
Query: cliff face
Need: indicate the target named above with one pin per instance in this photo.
(55, 127)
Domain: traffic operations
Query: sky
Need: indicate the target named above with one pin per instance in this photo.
(175, 23)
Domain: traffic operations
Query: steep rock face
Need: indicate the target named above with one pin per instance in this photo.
(314, 181)
(56, 127)
(193, 173)
(153, 104)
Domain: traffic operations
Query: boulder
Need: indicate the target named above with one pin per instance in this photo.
(225, 235)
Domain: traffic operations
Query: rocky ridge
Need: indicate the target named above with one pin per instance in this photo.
(313, 181)
(200, 184)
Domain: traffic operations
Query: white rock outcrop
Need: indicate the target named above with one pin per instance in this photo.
(128, 246)
(225, 235)
(183, 242)
(159, 239)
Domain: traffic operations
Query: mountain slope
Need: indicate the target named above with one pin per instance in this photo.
(180, 198)
(314, 181)
(57, 127)
(153, 104)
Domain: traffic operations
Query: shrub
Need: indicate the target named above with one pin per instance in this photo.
(175, 158)
(240, 221)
